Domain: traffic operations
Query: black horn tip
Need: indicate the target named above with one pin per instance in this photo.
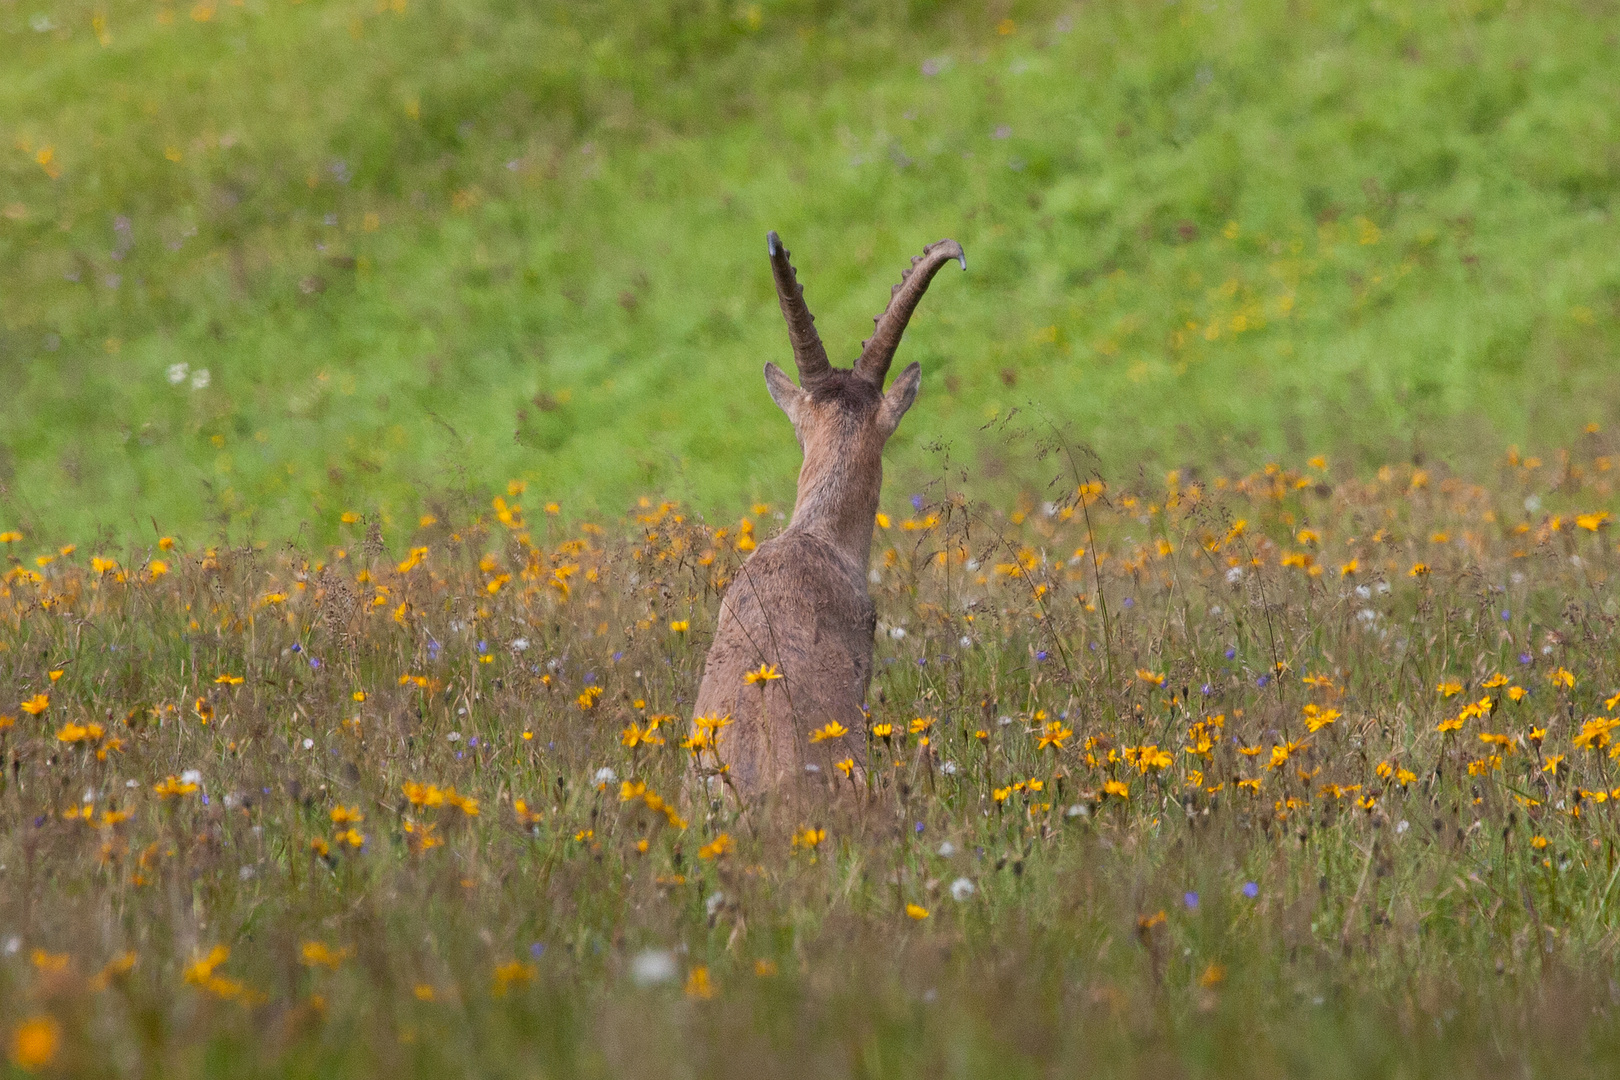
(773, 243)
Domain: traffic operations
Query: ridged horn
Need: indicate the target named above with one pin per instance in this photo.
(878, 350)
(808, 352)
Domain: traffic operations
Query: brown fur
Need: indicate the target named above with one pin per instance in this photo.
(799, 603)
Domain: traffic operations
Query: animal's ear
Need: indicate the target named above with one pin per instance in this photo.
(789, 398)
(898, 398)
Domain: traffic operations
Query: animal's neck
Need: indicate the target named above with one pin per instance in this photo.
(838, 502)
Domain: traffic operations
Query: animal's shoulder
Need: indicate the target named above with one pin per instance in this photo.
(796, 569)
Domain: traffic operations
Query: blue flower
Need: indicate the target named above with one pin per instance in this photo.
(1207, 689)
(297, 647)
(537, 950)
(916, 502)
(919, 827)
(1231, 651)
(1506, 615)
(1524, 658)
(473, 741)
(1251, 890)
(314, 663)
(1041, 655)
(483, 646)
(1128, 602)
(590, 677)
(1191, 900)
(1262, 681)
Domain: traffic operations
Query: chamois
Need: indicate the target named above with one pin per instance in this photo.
(792, 655)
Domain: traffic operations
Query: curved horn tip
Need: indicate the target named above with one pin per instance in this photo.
(773, 243)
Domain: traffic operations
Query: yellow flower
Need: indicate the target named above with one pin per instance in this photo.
(1418, 569)
(765, 673)
(847, 766)
(588, 698)
(1562, 677)
(36, 1041)
(721, 845)
(317, 954)
(832, 730)
(1054, 735)
(174, 786)
(1115, 787)
(916, 911)
(509, 975)
(809, 837)
(1449, 689)
(1152, 678)
(229, 680)
(36, 704)
(346, 815)
(699, 985)
(1538, 842)
(680, 626)
(882, 731)
(1494, 681)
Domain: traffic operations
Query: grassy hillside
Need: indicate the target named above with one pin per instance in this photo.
(265, 262)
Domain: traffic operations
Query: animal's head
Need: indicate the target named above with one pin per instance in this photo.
(844, 415)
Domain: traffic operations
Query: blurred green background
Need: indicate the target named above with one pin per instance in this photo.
(264, 261)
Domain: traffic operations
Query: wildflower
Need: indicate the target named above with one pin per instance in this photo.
(1517, 693)
(353, 837)
(882, 731)
(698, 984)
(1551, 764)
(721, 845)
(1449, 689)
(1213, 976)
(1453, 724)
(847, 766)
(765, 673)
(35, 1043)
(506, 976)
(920, 725)
(680, 626)
(346, 815)
(36, 704)
(1494, 681)
(916, 911)
(174, 787)
(1594, 734)
(1562, 677)
(1538, 842)
(1419, 569)
(1001, 794)
(317, 954)
(1316, 719)
(832, 730)
(1054, 735)
(1116, 787)
(809, 837)
(1152, 678)
(588, 698)
(1249, 785)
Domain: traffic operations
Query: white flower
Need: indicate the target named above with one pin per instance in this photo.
(1234, 575)
(967, 642)
(948, 768)
(714, 901)
(520, 644)
(199, 378)
(947, 849)
(898, 632)
(605, 775)
(653, 966)
(191, 776)
(961, 889)
(309, 744)
(1401, 827)
(454, 736)
(178, 373)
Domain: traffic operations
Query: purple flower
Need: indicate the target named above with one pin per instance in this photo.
(205, 799)
(1042, 655)
(1191, 900)
(1524, 658)
(1506, 615)
(315, 662)
(1251, 890)
(919, 827)
(1262, 681)
(433, 649)
(297, 647)
(590, 677)
(1231, 651)
(916, 502)
(1206, 689)
(483, 647)
(618, 656)
(1128, 602)
(473, 741)
(537, 950)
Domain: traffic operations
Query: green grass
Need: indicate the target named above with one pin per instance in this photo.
(1408, 208)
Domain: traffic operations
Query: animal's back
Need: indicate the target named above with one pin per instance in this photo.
(797, 606)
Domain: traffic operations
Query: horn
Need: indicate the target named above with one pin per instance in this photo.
(878, 350)
(808, 352)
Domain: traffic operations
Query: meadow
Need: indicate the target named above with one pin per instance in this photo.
(1275, 774)
(382, 429)
(263, 263)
